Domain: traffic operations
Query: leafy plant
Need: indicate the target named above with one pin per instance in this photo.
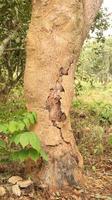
(17, 143)
(106, 114)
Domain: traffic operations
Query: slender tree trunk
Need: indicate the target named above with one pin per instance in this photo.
(55, 37)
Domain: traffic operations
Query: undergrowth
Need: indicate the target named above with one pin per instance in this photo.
(91, 118)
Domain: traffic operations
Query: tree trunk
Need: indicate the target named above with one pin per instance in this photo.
(55, 37)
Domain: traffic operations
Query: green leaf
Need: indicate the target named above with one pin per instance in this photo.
(12, 127)
(34, 115)
(44, 155)
(33, 154)
(2, 144)
(14, 156)
(31, 118)
(4, 128)
(34, 141)
(21, 138)
(24, 140)
(20, 126)
(27, 122)
(23, 154)
(12, 138)
(15, 138)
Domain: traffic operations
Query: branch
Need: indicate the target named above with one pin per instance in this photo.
(6, 41)
(14, 49)
(9, 85)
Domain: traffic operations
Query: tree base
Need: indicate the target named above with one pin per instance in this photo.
(62, 169)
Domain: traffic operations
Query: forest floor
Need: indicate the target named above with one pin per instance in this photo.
(91, 118)
(97, 159)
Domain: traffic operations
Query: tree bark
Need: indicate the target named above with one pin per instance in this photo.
(55, 37)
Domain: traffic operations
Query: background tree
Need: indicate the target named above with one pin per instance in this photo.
(95, 62)
(14, 18)
(100, 25)
(56, 35)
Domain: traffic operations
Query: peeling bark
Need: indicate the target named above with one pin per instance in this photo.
(56, 34)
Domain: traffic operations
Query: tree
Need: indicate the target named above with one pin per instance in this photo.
(101, 24)
(95, 61)
(14, 18)
(55, 37)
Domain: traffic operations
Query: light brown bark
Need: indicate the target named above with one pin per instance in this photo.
(55, 37)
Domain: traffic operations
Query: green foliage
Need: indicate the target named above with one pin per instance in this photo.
(17, 143)
(102, 111)
(93, 118)
(95, 63)
(14, 106)
(76, 103)
(101, 23)
(78, 87)
(14, 16)
(106, 113)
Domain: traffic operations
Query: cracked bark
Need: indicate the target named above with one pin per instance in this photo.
(56, 34)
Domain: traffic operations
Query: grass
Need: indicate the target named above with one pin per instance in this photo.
(96, 101)
(91, 119)
(14, 107)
